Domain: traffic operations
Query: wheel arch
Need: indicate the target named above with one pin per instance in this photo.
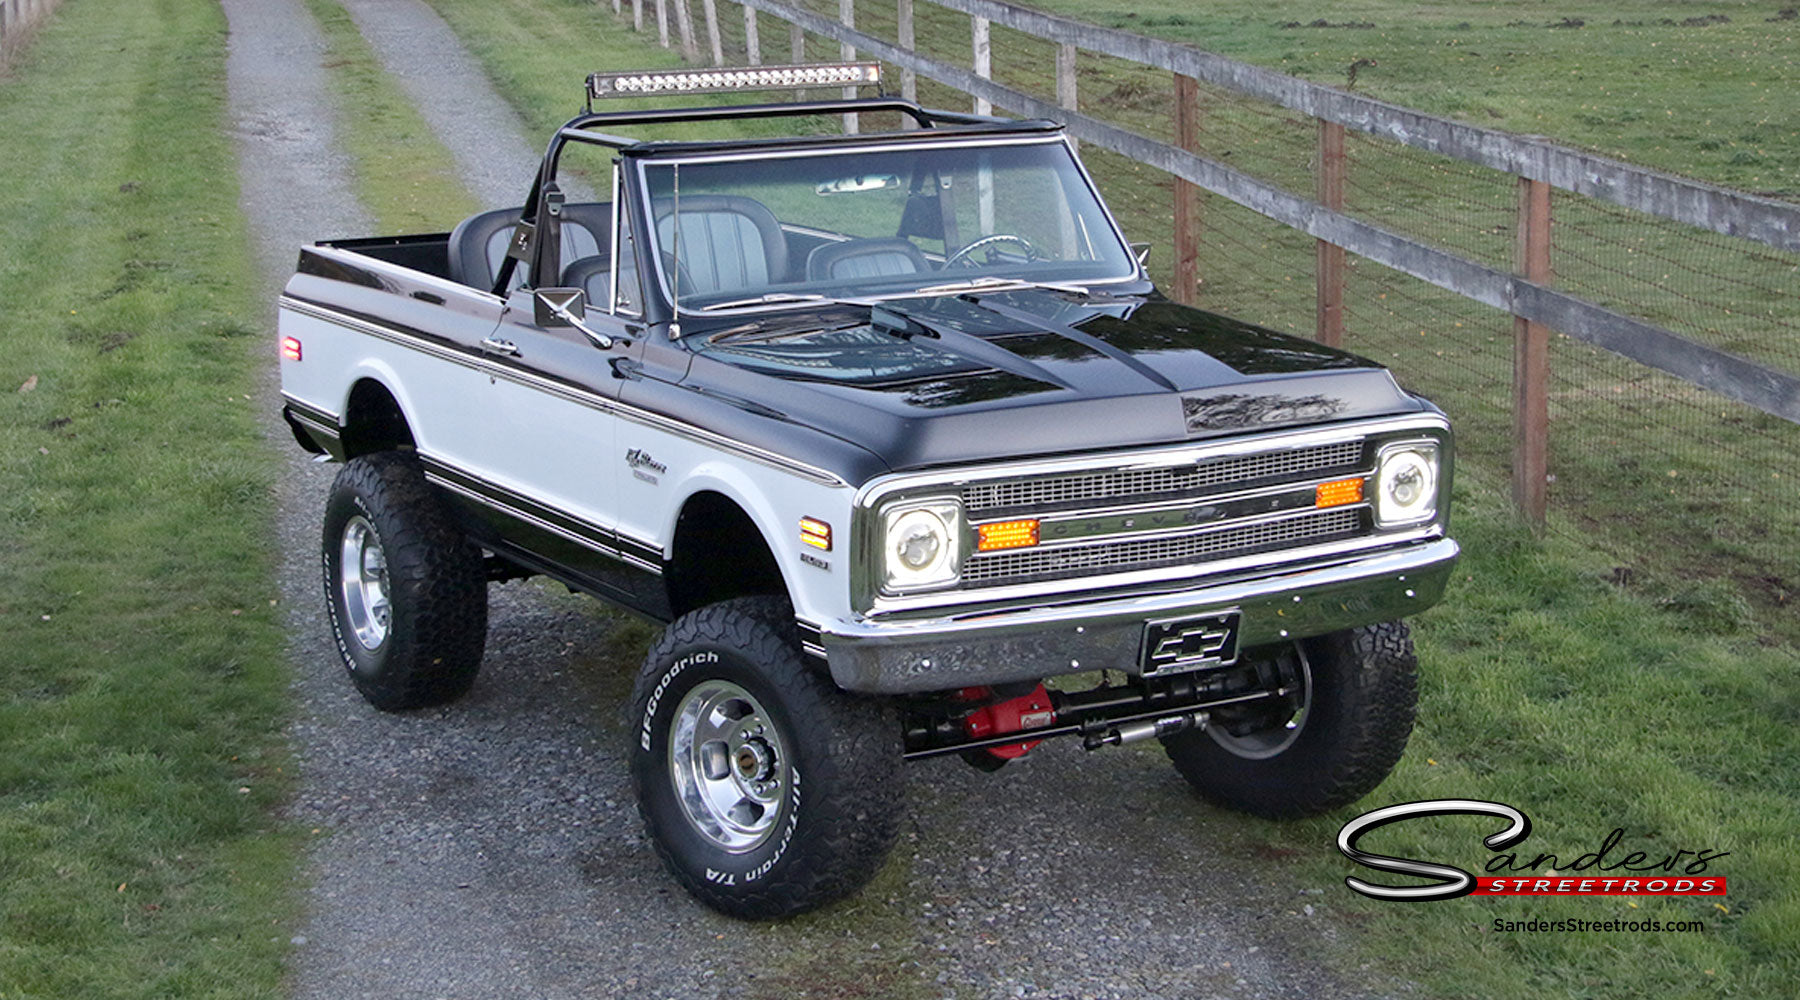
(719, 545)
(375, 416)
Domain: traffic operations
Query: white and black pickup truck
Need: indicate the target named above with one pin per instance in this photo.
(894, 434)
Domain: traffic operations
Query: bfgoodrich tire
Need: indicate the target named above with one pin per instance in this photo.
(766, 790)
(406, 590)
(1329, 746)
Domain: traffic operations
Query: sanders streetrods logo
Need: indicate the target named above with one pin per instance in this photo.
(1606, 871)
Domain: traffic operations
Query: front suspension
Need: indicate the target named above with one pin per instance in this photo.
(1004, 725)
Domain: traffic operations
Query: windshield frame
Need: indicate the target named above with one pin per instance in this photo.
(876, 143)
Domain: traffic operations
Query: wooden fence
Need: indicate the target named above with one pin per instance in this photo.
(18, 16)
(1526, 291)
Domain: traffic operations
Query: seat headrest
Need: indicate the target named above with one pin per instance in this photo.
(865, 259)
(727, 242)
(478, 243)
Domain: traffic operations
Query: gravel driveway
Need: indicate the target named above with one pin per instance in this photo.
(490, 849)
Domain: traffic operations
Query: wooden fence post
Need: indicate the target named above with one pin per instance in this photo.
(797, 46)
(1187, 195)
(710, 9)
(662, 22)
(982, 43)
(684, 22)
(1329, 258)
(909, 80)
(752, 40)
(1065, 80)
(847, 52)
(1531, 359)
(637, 15)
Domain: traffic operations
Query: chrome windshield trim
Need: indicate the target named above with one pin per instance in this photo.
(1138, 272)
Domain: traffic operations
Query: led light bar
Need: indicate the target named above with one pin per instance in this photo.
(712, 81)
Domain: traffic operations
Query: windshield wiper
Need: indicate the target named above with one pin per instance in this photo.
(772, 298)
(993, 284)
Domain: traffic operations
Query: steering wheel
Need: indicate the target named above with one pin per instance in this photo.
(961, 256)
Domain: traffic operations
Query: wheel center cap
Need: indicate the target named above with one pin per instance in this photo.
(754, 761)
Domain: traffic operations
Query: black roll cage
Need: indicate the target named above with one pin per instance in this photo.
(583, 128)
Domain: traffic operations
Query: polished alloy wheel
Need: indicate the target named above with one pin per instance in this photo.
(729, 766)
(363, 574)
(1271, 740)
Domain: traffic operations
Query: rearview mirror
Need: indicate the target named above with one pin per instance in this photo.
(559, 306)
(863, 182)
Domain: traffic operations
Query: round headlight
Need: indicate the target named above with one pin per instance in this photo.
(920, 549)
(1406, 489)
(919, 541)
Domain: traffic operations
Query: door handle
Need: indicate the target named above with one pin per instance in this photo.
(494, 345)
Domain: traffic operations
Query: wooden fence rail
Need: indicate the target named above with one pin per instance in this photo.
(1525, 292)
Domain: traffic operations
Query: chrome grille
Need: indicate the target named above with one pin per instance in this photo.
(1148, 553)
(1130, 485)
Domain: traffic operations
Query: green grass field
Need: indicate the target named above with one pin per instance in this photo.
(1661, 707)
(141, 757)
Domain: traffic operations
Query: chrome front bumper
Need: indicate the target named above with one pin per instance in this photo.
(893, 656)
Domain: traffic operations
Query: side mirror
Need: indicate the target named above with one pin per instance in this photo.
(559, 306)
(565, 307)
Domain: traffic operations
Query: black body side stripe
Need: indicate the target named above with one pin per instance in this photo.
(812, 642)
(325, 420)
(605, 541)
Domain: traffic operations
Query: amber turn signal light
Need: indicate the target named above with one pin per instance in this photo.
(815, 533)
(1006, 535)
(1339, 493)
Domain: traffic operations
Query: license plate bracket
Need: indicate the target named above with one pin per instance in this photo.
(1192, 642)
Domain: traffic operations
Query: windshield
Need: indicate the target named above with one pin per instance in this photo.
(781, 232)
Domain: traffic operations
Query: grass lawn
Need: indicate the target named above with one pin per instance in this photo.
(1547, 685)
(141, 757)
(1702, 89)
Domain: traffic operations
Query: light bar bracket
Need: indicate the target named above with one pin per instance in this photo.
(651, 83)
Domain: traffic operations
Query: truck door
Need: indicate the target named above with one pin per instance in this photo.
(551, 417)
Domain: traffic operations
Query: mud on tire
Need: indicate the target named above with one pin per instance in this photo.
(1349, 734)
(406, 590)
(766, 791)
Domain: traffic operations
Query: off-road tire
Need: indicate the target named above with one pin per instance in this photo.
(837, 818)
(436, 586)
(1364, 693)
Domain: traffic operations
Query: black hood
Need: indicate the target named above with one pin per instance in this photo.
(926, 382)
